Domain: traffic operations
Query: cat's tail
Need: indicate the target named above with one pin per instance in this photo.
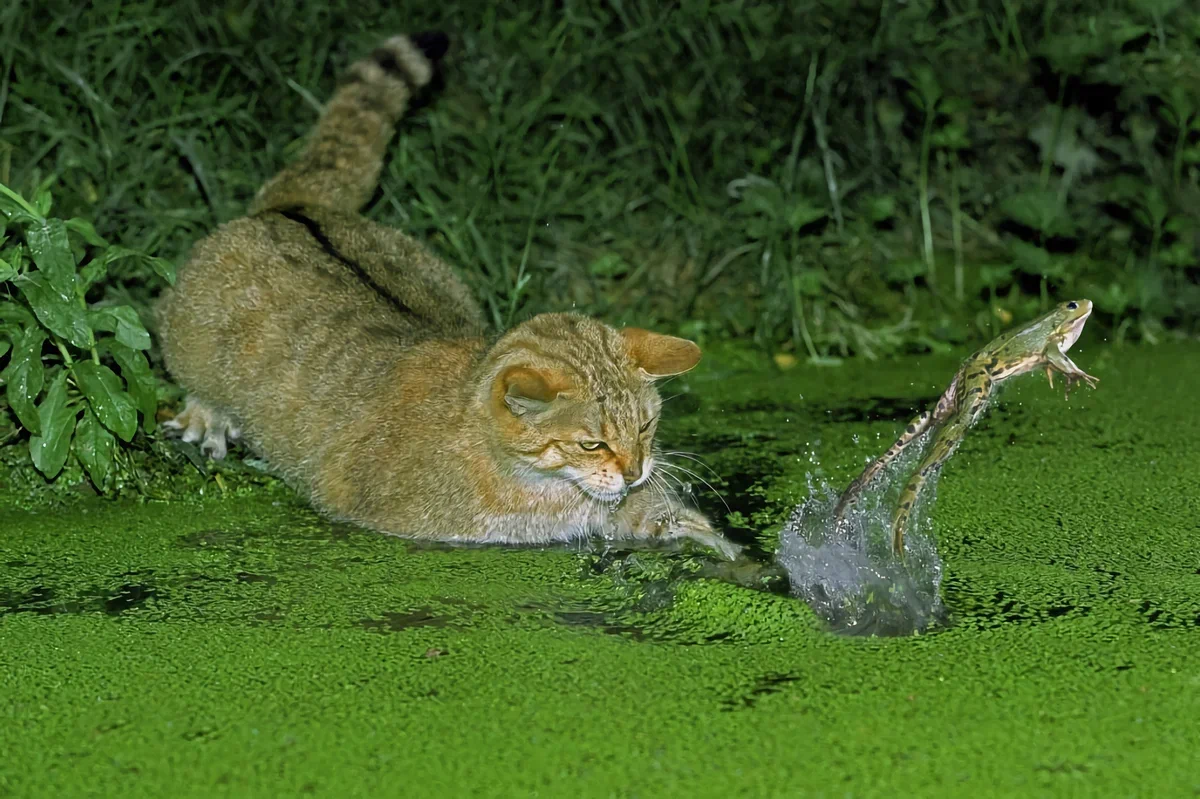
(340, 165)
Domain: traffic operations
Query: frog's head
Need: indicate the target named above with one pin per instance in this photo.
(1057, 329)
(1068, 320)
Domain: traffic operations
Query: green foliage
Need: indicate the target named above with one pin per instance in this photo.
(833, 179)
(56, 348)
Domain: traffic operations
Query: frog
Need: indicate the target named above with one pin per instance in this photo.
(1039, 344)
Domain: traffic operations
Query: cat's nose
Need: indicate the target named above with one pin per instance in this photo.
(632, 472)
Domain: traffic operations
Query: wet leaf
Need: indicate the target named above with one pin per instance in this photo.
(43, 202)
(94, 446)
(163, 268)
(139, 379)
(124, 322)
(49, 449)
(24, 376)
(60, 313)
(95, 271)
(108, 398)
(51, 251)
(86, 231)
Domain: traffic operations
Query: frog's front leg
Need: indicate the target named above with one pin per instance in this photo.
(1058, 361)
(654, 513)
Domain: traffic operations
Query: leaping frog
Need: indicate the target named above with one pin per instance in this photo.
(1041, 343)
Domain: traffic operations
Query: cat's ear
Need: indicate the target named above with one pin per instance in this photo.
(525, 389)
(659, 355)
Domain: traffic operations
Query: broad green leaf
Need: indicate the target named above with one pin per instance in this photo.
(881, 208)
(808, 282)
(59, 312)
(994, 275)
(4, 344)
(94, 446)
(51, 250)
(610, 264)
(1034, 260)
(108, 398)
(1039, 210)
(124, 322)
(15, 255)
(14, 312)
(904, 270)
(16, 209)
(163, 268)
(24, 377)
(7, 271)
(43, 202)
(95, 271)
(86, 232)
(49, 449)
(802, 213)
(139, 379)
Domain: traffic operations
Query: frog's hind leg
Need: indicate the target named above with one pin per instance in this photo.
(200, 422)
(944, 445)
(915, 429)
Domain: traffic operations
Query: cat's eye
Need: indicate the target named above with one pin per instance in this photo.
(591, 446)
(649, 422)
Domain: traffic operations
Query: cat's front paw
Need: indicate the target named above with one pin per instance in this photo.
(688, 523)
(664, 523)
(199, 422)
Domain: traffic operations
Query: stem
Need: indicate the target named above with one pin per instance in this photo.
(1015, 28)
(62, 348)
(1180, 141)
(1048, 156)
(789, 172)
(799, 320)
(827, 159)
(926, 225)
(956, 227)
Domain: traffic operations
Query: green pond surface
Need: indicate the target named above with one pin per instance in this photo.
(239, 645)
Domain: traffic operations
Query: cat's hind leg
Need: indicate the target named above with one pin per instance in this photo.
(200, 422)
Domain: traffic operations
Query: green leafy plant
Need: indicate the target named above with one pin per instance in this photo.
(75, 375)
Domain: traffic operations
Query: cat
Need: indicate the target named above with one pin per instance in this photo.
(360, 366)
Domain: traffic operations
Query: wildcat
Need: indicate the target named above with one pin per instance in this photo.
(361, 367)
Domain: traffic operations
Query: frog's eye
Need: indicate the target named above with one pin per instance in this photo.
(1072, 305)
(591, 446)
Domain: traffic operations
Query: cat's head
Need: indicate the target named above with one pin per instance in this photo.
(574, 400)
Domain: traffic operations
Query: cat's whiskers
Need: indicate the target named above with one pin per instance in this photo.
(667, 464)
(693, 457)
(664, 490)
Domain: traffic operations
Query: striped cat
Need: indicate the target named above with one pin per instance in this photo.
(361, 367)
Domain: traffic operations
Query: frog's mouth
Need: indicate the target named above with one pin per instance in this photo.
(1073, 331)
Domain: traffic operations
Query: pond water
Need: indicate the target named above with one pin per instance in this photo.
(238, 644)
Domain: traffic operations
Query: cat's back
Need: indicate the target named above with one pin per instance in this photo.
(285, 300)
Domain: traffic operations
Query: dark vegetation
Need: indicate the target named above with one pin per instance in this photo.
(820, 179)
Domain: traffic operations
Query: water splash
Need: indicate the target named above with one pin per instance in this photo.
(846, 572)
